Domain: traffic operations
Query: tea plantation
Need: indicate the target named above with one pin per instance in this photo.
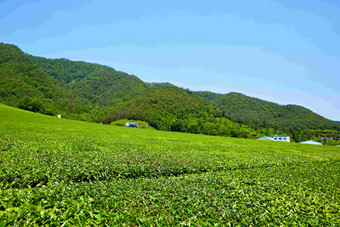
(60, 172)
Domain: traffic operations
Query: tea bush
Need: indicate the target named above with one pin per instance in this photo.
(61, 172)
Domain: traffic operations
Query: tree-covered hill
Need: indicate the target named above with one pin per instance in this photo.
(93, 92)
(97, 84)
(253, 111)
(77, 90)
(25, 85)
(166, 106)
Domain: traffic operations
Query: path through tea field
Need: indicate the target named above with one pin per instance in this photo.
(62, 172)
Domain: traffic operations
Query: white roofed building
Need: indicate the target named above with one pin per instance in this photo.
(282, 138)
(265, 138)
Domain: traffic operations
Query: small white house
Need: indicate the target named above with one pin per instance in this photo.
(265, 138)
(311, 142)
(282, 138)
(59, 115)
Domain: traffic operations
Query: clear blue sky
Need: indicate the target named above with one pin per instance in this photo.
(285, 51)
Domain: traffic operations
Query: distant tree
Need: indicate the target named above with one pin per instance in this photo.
(28, 103)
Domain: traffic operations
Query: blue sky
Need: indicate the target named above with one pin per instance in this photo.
(285, 51)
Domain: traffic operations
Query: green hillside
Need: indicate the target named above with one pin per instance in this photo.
(96, 93)
(102, 94)
(26, 85)
(248, 110)
(64, 172)
(166, 105)
(77, 90)
(97, 84)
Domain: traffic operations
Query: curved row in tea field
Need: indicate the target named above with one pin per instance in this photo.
(57, 171)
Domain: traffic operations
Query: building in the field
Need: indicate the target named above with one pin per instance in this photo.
(265, 138)
(282, 138)
(59, 115)
(311, 142)
(276, 138)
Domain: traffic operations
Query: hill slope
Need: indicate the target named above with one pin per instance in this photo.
(58, 172)
(248, 110)
(24, 84)
(97, 84)
(165, 106)
(99, 93)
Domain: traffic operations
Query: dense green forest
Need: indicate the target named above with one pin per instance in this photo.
(167, 107)
(97, 93)
(25, 85)
(97, 84)
(248, 110)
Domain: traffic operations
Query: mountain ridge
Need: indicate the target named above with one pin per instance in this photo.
(243, 108)
(26, 85)
(92, 82)
(93, 92)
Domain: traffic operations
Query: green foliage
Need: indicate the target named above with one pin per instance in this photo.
(96, 93)
(141, 124)
(154, 85)
(24, 84)
(61, 172)
(97, 84)
(259, 113)
(163, 106)
(169, 108)
(28, 103)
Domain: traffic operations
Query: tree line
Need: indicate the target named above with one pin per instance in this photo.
(96, 93)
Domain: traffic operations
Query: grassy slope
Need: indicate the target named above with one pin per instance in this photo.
(62, 171)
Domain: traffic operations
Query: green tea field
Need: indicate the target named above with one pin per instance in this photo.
(60, 172)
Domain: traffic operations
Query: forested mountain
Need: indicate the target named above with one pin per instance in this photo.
(98, 93)
(24, 84)
(77, 90)
(253, 111)
(98, 85)
(167, 106)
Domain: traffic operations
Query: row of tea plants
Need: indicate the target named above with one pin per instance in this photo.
(61, 172)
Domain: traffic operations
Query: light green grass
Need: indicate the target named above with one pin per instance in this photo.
(56, 171)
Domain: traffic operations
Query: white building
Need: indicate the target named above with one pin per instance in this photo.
(265, 138)
(59, 115)
(311, 142)
(282, 138)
